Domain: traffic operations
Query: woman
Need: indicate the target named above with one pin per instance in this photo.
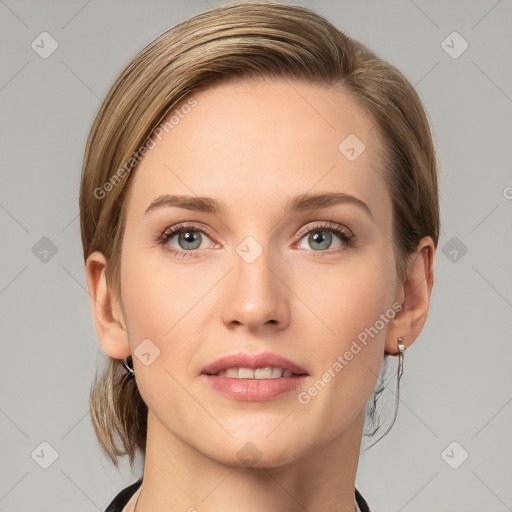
(259, 217)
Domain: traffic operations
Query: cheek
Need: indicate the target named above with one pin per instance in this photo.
(345, 298)
(154, 297)
(159, 306)
(352, 309)
(165, 303)
(348, 362)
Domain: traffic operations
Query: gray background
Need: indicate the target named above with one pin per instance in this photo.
(456, 385)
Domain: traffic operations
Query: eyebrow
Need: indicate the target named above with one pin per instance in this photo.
(300, 203)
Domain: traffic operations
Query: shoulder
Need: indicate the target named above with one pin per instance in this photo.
(361, 502)
(118, 503)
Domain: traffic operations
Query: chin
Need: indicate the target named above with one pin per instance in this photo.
(257, 454)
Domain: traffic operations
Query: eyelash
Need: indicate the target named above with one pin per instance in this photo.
(344, 234)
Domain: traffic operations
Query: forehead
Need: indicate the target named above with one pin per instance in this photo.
(257, 144)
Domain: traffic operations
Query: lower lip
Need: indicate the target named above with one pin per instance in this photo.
(254, 389)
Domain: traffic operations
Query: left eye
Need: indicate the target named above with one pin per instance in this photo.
(320, 238)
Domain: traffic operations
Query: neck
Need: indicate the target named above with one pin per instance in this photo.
(178, 477)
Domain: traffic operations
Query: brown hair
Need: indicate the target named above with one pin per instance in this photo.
(240, 41)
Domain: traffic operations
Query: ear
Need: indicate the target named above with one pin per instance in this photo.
(416, 291)
(106, 308)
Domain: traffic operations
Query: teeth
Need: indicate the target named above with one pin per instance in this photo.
(260, 373)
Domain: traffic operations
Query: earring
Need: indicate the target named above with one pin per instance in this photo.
(401, 349)
(130, 374)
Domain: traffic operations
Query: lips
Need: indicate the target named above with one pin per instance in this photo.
(253, 361)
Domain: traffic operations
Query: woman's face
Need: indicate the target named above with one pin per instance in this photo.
(259, 275)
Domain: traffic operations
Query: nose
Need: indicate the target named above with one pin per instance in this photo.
(257, 295)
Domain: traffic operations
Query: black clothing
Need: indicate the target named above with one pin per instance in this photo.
(119, 502)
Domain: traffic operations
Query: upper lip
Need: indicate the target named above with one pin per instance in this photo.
(253, 361)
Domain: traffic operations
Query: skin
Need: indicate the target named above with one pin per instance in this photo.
(254, 146)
